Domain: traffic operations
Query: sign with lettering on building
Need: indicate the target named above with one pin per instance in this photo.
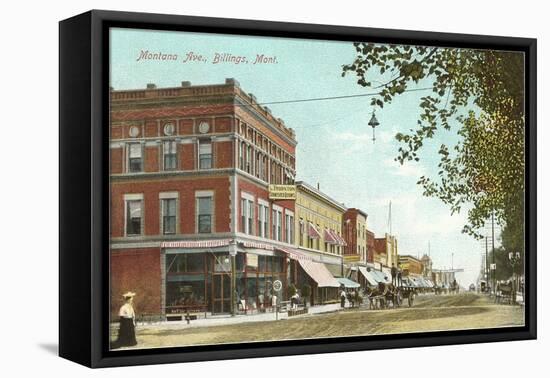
(282, 192)
(252, 260)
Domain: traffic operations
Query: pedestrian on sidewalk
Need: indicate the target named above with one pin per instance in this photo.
(127, 314)
(342, 298)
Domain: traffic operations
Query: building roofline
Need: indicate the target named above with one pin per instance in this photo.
(320, 194)
(359, 211)
(246, 100)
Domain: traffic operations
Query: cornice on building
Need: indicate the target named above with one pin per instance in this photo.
(229, 93)
(320, 195)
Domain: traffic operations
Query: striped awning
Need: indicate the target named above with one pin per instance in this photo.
(312, 231)
(319, 273)
(329, 237)
(249, 244)
(294, 254)
(196, 243)
(339, 239)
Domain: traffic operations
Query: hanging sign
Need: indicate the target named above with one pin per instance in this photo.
(282, 192)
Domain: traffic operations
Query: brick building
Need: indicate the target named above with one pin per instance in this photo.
(355, 234)
(385, 250)
(370, 246)
(192, 225)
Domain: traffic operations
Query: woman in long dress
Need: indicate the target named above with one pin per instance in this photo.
(127, 330)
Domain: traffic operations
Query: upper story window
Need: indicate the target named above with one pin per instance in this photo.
(242, 151)
(263, 220)
(289, 228)
(169, 149)
(249, 159)
(258, 164)
(135, 157)
(204, 213)
(301, 227)
(277, 224)
(134, 212)
(168, 204)
(263, 174)
(247, 215)
(205, 154)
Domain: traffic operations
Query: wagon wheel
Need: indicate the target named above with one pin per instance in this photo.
(398, 298)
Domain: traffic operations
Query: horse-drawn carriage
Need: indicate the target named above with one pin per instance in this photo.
(381, 292)
(381, 295)
(505, 292)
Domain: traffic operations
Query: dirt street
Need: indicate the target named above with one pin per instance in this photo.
(429, 313)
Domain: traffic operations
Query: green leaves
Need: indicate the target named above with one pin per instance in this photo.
(486, 169)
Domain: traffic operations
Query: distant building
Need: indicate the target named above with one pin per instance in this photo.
(319, 240)
(370, 246)
(355, 233)
(426, 266)
(410, 265)
(386, 250)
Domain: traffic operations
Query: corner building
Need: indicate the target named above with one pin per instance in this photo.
(192, 226)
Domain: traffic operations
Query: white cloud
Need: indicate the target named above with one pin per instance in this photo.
(408, 169)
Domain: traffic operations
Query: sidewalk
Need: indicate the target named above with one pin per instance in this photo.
(217, 320)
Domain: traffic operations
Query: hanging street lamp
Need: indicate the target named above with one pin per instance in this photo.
(373, 123)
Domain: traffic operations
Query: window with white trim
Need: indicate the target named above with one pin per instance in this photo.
(277, 224)
(205, 214)
(289, 228)
(247, 215)
(135, 157)
(263, 220)
(170, 154)
(205, 154)
(169, 215)
(134, 212)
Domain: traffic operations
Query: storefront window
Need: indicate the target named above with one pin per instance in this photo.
(222, 263)
(185, 290)
(185, 263)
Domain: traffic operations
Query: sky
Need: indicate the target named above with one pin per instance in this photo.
(335, 147)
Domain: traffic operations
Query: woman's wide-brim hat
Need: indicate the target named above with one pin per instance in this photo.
(129, 294)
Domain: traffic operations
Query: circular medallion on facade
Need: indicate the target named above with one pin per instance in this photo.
(134, 131)
(204, 127)
(169, 129)
(277, 285)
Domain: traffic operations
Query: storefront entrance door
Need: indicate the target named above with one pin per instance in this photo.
(221, 293)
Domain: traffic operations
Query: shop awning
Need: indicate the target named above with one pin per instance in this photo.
(319, 273)
(339, 239)
(196, 243)
(250, 244)
(371, 279)
(348, 283)
(372, 276)
(312, 231)
(329, 237)
(293, 253)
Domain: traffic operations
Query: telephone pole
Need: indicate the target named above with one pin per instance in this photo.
(493, 245)
(487, 270)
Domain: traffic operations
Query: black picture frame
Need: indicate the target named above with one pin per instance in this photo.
(84, 191)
